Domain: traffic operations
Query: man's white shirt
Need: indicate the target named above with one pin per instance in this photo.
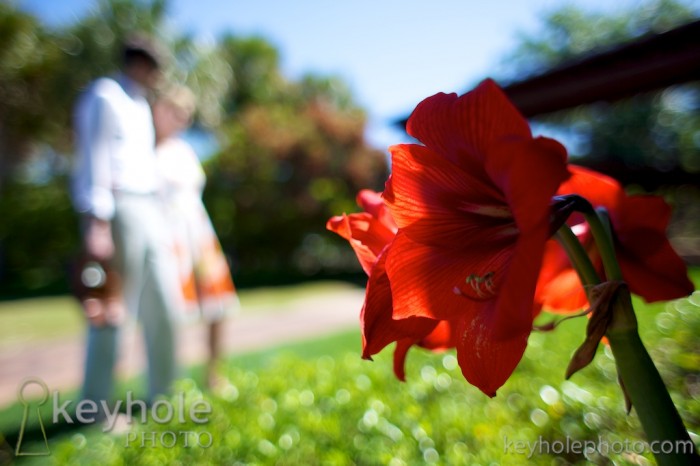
(115, 146)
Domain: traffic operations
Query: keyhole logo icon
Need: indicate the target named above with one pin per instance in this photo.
(28, 412)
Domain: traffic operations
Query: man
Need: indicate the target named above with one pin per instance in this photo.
(114, 190)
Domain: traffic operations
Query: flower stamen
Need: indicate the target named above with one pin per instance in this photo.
(480, 287)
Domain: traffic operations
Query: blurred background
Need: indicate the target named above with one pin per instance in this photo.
(298, 104)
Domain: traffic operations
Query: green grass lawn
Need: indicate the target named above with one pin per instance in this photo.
(317, 402)
(38, 319)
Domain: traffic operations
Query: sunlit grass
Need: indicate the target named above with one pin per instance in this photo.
(279, 298)
(37, 319)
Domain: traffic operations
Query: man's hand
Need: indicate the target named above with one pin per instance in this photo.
(104, 311)
(98, 239)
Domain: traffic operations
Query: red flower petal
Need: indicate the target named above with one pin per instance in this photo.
(373, 203)
(598, 189)
(559, 287)
(441, 338)
(340, 225)
(514, 308)
(429, 281)
(528, 172)
(440, 202)
(486, 361)
(463, 128)
(366, 236)
(379, 328)
(649, 264)
(564, 293)
(400, 352)
(368, 232)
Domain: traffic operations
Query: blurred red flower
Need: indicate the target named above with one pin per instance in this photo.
(649, 265)
(368, 232)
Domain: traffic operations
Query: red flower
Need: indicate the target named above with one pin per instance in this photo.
(649, 265)
(472, 206)
(369, 233)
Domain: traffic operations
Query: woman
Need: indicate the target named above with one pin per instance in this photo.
(206, 281)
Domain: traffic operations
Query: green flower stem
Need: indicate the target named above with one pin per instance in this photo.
(577, 255)
(658, 415)
(666, 434)
(602, 235)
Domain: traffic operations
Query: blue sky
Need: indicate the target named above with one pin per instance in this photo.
(392, 53)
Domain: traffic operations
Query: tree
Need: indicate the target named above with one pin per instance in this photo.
(655, 130)
(42, 71)
(25, 60)
(294, 154)
(291, 153)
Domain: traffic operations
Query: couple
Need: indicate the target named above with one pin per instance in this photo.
(137, 188)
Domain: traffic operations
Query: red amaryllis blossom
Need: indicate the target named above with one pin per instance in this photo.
(472, 205)
(369, 233)
(649, 265)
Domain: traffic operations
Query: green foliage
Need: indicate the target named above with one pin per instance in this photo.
(25, 60)
(205, 70)
(256, 74)
(294, 155)
(38, 237)
(337, 409)
(43, 70)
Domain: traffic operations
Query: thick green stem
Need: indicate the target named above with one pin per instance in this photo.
(667, 437)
